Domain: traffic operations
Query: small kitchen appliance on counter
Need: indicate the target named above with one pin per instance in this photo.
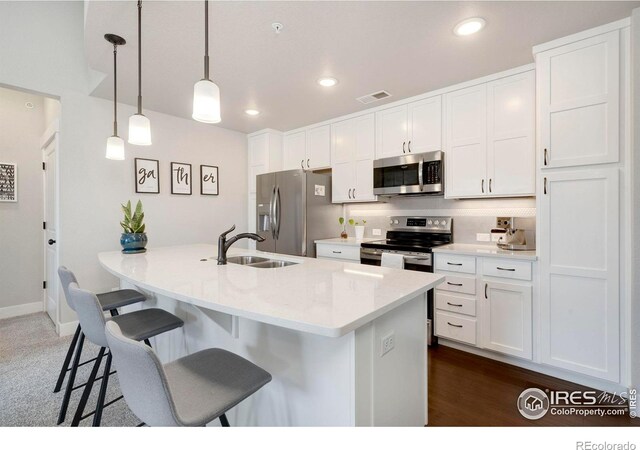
(514, 238)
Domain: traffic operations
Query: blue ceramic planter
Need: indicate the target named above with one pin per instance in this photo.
(133, 242)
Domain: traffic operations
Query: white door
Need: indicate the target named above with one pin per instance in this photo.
(506, 319)
(579, 271)
(50, 152)
(578, 94)
(319, 148)
(343, 178)
(295, 149)
(425, 125)
(391, 132)
(466, 153)
(510, 135)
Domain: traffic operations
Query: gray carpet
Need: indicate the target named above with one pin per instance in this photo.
(31, 355)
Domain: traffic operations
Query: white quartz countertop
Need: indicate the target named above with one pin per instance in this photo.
(318, 296)
(351, 242)
(485, 250)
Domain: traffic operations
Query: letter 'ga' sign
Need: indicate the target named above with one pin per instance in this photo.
(147, 173)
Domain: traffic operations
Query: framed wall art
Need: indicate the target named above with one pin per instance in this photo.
(181, 180)
(209, 181)
(147, 172)
(8, 182)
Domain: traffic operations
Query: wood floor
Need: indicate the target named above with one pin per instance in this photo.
(469, 390)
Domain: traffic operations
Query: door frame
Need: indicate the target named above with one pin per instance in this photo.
(51, 133)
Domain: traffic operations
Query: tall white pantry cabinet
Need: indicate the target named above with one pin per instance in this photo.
(583, 100)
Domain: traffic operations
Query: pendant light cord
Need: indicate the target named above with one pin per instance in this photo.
(139, 56)
(206, 39)
(115, 90)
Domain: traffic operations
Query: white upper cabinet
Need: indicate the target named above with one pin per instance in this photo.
(578, 96)
(412, 128)
(295, 151)
(510, 135)
(466, 152)
(490, 131)
(264, 155)
(352, 155)
(308, 150)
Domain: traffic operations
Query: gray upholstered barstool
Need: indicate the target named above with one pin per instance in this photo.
(190, 391)
(139, 325)
(109, 301)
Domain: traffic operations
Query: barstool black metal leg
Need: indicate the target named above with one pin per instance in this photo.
(87, 389)
(67, 360)
(97, 417)
(223, 421)
(72, 378)
(146, 341)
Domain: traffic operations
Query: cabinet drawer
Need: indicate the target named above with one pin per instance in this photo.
(351, 253)
(456, 327)
(456, 303)
(455, 263)
(506, 268)
(463, 285)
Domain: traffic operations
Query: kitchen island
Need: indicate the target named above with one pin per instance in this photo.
(345, 343)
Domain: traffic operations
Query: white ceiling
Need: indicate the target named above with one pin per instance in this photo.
(406, 48)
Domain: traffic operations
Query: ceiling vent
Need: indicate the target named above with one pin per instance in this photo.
(370, 98)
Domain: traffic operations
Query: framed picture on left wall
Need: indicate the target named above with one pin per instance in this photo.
(147, 173)
(181, 180)
(8, 182)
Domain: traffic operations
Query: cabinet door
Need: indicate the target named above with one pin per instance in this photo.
(579, 271)
(579, 94)
(319, 148)
(363, 186)
(507, 318)
(391, 132)
(425, 125)
(343, 142)
(295, 149)
(510, 135)
(343, 178)
(365, 137)
(466, 154)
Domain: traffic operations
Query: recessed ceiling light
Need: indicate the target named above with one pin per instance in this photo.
(469, 26)
(327, 82)
(251, 112)
(28, 105)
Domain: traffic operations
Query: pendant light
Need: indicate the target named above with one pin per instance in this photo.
(115, 144)
(139, 125)
(206, 94)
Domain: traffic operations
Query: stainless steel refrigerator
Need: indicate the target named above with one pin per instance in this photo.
(294, 209)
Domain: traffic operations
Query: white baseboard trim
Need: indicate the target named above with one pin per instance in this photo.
(21, 310)
(67, 328)
(576, 378)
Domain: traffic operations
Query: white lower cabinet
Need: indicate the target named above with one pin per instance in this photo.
(346, 253)
(486, 303)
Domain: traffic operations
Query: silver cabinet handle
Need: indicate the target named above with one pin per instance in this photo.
(302, 163)
(336, 252)
(349, 193)
(308, 164)
(454, 264)
(454, 325)
(403, 146)
(545, 161)
(489, 184)
(506, 269)
(483, 185)
(409, 146)
(453, 284)
(486, 285)
(454, 304)
(545, 185)
(420, 169)
(354, 193)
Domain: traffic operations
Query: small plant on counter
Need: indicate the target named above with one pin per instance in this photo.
(134, 238)
(343, 234)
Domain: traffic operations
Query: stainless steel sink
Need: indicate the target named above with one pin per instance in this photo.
(272, 264)
(246, 260)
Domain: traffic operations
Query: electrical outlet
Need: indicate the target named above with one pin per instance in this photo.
(483, 237)
(376, 232)
(504, 222)
(388, 343)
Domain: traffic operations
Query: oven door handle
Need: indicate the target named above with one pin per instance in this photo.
(420, 177)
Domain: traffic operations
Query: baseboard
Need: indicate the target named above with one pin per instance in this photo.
(67, 328)
(584, 380)
(20, 310)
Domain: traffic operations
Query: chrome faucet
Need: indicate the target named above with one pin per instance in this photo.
(223, 244)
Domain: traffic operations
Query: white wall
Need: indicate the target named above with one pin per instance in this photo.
(21, 251)
(91, 187)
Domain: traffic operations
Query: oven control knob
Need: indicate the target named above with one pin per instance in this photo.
(429, 222)
(436, 223)
(443, 223)
(395, 222)
(390, 221)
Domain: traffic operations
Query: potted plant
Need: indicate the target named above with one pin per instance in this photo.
(344, 234)
(133, 239)
(359, 228)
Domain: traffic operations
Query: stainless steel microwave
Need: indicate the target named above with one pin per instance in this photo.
(419, 174)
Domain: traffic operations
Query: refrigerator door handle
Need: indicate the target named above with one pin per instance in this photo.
(272, 215)
(278, 212)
